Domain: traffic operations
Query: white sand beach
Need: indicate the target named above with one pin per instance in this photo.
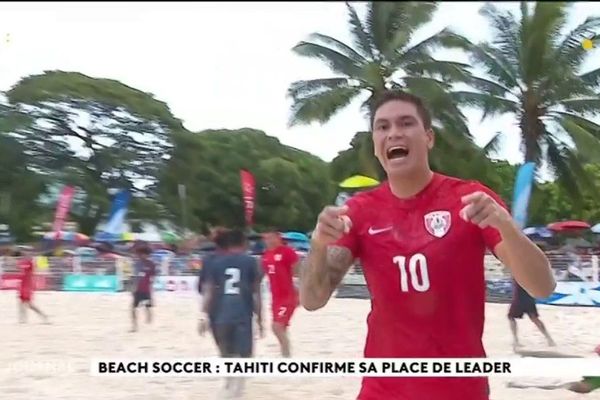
(87, 325)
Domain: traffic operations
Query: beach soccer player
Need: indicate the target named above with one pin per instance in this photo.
(279, 262)
(231, 291)
(523, 303)
(421, 238)
(587, 384)
(144, 270)
(26, 266)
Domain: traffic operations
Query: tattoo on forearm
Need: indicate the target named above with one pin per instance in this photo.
(339, 260)
(325, 271)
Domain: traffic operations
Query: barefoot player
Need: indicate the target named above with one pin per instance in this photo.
(231, 296)
(421, 238)
(26, 287)
(145, 270)
(279, 262)
(523, 303)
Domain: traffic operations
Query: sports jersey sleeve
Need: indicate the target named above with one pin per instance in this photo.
(350, 240)
(291, 257)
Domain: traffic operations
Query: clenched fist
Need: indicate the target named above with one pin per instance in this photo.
(332, 224)
(482, 210)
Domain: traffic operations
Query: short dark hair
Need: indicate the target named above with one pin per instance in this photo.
(221, 238)
(227, 238)
(399, 95)
(237, 238)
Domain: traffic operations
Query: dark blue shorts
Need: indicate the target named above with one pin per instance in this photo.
(234, 339)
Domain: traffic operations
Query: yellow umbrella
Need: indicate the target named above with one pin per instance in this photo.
(128, 237)
(358, 181)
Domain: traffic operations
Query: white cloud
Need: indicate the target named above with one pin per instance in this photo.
(222, 65)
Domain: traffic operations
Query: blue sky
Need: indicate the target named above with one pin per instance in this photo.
(222, 65)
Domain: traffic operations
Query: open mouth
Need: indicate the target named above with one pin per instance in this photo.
(396, 152)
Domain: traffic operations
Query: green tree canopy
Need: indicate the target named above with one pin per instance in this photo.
(291, 185)
(20, 189)
(93, 133)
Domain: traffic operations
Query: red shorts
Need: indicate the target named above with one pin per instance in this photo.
(283, 311)
(25, 295)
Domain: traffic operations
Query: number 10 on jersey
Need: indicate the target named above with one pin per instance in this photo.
(415, 274)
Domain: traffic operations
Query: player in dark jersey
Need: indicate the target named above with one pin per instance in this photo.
(523, 303)
(231, 292)
(144, 271)
(421, 238)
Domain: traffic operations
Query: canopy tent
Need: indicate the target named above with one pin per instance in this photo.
(112, 237)
(66, 236)
(568, 225)
(296, 237)
(539, 231)
(596, 228)
(358, 181)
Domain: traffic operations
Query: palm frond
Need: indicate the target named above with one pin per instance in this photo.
(493, 105)
(361, 38)
(339, 46)
(322, 106)
(445, 38)
(570, 50)
(507, 38)
(391, 24)
(445, 70)
(544, 26)
(303, 88)
(489, 87)
(589, 105)
(408, 17)
(587, 142)
(560, 85)
(592, 78)
(579, 120)
(495, 64)
(558, 160)
(493, 145)
(335, 60)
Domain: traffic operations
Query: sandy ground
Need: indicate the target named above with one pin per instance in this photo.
(87, 325)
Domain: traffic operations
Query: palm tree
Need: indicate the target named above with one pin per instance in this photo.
(381, 56)
(534, 71)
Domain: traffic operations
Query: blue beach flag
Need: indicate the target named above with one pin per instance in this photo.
(522, 193)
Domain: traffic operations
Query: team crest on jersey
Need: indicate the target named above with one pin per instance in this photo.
(277, 257)
(437, 223)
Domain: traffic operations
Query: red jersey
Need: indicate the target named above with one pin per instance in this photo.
(26, 267)
(423, 265)
(278, 265)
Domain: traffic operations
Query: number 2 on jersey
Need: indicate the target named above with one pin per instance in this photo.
(233, 277)
(416, 262)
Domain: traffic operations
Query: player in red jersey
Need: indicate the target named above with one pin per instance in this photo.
(27, 286)
(421, 238)
(279, 262)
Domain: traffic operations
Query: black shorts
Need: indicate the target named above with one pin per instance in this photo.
(139, 297)
(234, 339)
(520, 307)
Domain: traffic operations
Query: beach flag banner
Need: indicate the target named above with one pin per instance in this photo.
(248, 195)
(522, 193)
